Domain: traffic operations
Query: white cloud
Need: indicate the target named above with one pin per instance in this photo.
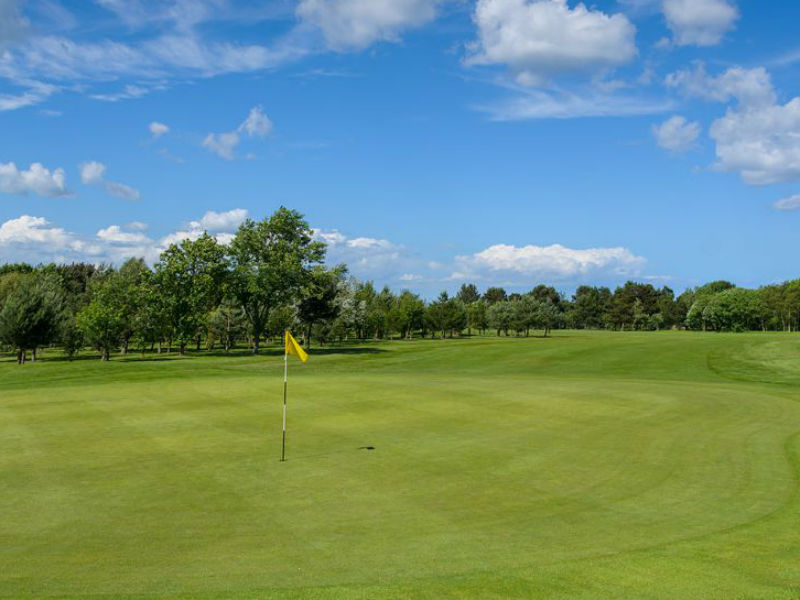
(224, 145)
(761, 143)
(699, 22)
(790, 203)
(758, 137)
(92, 172)
(748, 86)
(410, 277)
(257, 124)
(548, 262)
(332, 238)
(220, 221)
(120, 190)
(566, 104)
(356, 24)
(677, 134)
(158, 129)
(27, 230)
(366, 257)
(127, 93)
(367, 243)
(35, 239)
(544, 38)
(36, 179)
(115, 234)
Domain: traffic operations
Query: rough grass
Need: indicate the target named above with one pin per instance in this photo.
(587, 465)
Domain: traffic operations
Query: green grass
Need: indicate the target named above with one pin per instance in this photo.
(588, 465)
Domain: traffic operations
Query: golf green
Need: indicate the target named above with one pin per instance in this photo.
(585, 465)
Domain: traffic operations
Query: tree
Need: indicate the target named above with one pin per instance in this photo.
(549, 317)
(526, 313)
(436, 317)
(31, 314)
(271, 262)
(407, 314)
(468, 294)
(191, 277)
(319, 300)
(589, 307)
(494, 295)
(477, 316)
(500, 316)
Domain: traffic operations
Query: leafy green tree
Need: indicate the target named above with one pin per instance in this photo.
(494, 295)
(407, 314)
(478, 317)
(30, 314)
(549, 317)
(468, 294)
(501, 316)
(436, 315)
(525, 314)
(226, 323)
(589, 307)
(192, 277)
(319, 299)
(271, 263)
(103, 321)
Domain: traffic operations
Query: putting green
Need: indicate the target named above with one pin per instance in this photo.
(586, 465)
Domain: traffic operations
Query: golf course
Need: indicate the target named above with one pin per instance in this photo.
(585, 465)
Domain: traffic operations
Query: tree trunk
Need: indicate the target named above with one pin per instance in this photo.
(197, 339)
(182, 348)
(105, 354)
(20, 357)
(256, 342)
(159, 346)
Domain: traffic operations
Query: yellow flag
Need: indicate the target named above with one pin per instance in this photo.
(292, 347)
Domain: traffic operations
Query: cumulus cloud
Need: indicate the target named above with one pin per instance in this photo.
(356, 24)
(790, 203)
(220, 221)
(36, 179)
(539, 39)
(676, 134)
(366, 257)
(116, 235)
(257, 124)
(699, 22)
(554, 262)
(758, 137)
(27, 230)
(158, 129)
(761, 143)
(93, 173)
(35, 239)
(747, 86)
(222, 144)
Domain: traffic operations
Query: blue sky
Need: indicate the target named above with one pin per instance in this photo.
(430, 142)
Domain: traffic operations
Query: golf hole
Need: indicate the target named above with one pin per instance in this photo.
(366, 448)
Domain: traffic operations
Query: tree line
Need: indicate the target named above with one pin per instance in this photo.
(271, 277)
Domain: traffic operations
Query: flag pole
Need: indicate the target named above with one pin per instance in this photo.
(285, 385)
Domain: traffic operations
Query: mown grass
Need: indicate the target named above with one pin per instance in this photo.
(586, 465)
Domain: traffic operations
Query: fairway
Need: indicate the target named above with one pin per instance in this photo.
(588, 465)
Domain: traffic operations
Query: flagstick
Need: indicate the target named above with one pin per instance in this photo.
(285, 385)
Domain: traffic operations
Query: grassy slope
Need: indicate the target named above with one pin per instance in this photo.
(589, 465)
